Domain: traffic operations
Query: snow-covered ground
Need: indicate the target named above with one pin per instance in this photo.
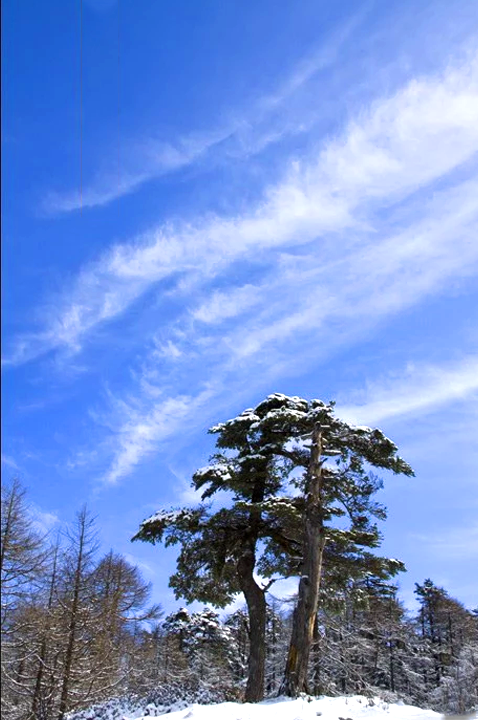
(326, 708)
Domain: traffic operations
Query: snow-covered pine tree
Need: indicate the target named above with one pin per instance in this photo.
(218, 556)
(335, 458)
(291, 467)
(446, 627)
(277, 641)
(238, 623)
(207, 644)
(458, 689)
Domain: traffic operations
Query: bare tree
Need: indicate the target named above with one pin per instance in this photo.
(78, 567)
(22, 563)
(22, 553)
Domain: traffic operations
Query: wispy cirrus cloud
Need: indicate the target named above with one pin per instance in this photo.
(247, 133)
(388, 203)
(9, 462)
(222, 305)
(141, 428)
(420, 389)
(154, 157)
(307, 311)
(43, 521)
(332, 201)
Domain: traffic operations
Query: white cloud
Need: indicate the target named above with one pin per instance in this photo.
(309, 304)
(157, 159)
(343, 294)
(247, 133)
(140, 429)
(223, 305)
(341, 252)
(389, 151)
(9, 462)
(168, 350)
(421, 389)
(43, 521)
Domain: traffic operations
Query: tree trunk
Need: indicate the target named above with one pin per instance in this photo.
(256, 606)
(255, 600)
(295, 677)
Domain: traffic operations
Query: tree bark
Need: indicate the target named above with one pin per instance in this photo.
(256, 606)
(255, 600)
(295, 676)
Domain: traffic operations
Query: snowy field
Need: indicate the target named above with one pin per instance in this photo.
(326, 708)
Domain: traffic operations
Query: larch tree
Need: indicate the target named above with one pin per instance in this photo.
(48, 640)
(22, 552)
(23, 556)
(77, 569)
(119, 601)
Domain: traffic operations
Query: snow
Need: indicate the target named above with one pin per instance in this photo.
(326, 708)
(251, 457)
(168, 517)
(218, 470)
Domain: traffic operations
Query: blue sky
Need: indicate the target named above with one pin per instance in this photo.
(276, 197)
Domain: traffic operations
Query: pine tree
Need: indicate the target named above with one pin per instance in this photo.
(207, 644)
(446, 628)
(218, 550)
(336, 483)
(276, 461)
(238, 624)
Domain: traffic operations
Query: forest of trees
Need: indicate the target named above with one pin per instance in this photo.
(78, 627)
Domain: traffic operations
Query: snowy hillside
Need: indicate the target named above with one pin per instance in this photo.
(325, 708)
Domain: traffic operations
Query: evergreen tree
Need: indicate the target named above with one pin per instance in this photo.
(276, 461)
(238, 623)
(446, 627)
(218, 549)
(207, 643)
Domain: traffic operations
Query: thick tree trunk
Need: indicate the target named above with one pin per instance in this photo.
(255, 600)
(295, 677)
(256, 606)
